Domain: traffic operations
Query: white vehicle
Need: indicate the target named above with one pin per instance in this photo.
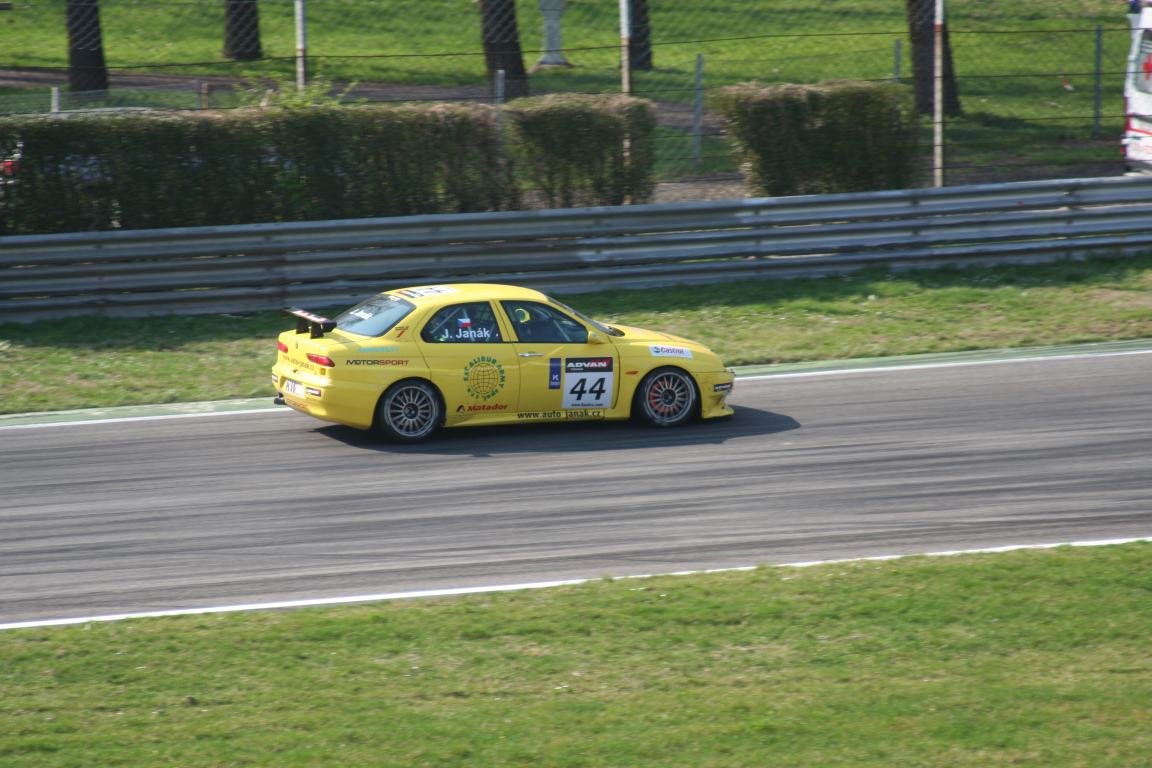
(1138, 90)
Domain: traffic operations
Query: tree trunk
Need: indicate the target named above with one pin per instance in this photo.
(921, 23)
(86, 68)
(242, 30)
(502, 46)
(640, 46)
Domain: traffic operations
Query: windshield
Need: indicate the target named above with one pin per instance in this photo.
(594, 323)
(375, 316)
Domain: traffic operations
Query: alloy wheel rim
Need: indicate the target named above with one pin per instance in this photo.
(668, 396)
(411, 411)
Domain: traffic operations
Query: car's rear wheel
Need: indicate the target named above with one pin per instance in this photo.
(409, 411)
(666, 398)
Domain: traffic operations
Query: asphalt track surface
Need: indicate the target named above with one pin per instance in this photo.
(141, 516)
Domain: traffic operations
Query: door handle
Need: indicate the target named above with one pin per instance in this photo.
(531, 354)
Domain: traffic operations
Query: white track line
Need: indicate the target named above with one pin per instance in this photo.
(154, 417)
(881, 368)
(426, 593)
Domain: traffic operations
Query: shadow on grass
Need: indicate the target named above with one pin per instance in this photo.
(576, 437)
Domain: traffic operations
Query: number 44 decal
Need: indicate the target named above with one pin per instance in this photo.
(584, 392)
(588, 382)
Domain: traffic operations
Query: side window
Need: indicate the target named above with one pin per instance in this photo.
(534, 322)
(472, 323)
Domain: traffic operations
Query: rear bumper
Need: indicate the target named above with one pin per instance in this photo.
(1138, 153)
(342, 403)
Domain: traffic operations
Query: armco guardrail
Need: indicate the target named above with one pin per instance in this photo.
(327, 263)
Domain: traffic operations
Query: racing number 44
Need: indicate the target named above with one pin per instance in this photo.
(597, 392)
(588, 382)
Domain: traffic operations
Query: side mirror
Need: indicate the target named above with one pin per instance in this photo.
(595, 337)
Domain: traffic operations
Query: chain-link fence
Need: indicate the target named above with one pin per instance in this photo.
(1034, 88)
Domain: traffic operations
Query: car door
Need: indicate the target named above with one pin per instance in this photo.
(471, 361)
(562, 375)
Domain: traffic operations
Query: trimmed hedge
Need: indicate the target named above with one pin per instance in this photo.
(824, 138)
(87, 171)
(586, 150)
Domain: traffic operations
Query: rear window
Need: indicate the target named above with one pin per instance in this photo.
(375, 316)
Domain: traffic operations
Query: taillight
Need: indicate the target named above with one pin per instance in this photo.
(324, 360)
(281, 347)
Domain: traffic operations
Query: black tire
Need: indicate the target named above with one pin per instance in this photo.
(666, 397)
(410, 411)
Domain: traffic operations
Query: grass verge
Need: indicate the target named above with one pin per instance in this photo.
(94, 362)
(1035, 658)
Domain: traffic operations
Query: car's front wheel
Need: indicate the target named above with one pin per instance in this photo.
(409, 411)
(666, 398)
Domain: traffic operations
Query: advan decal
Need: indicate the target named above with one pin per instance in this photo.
(588, 382)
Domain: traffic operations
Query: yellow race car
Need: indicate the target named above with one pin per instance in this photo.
(411, 360)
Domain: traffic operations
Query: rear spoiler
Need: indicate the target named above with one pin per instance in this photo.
(314, 325)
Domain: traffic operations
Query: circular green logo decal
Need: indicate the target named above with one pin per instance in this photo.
(484, 377)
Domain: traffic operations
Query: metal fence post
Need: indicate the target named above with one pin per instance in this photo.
(500, 97)
(1097, 98)
(626, 47)
(698, 115)
(938, 97)
(301, 47)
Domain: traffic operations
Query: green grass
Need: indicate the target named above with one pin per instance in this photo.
(439, 40)
(1020, 659)
(98, 362)
(674, 155)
